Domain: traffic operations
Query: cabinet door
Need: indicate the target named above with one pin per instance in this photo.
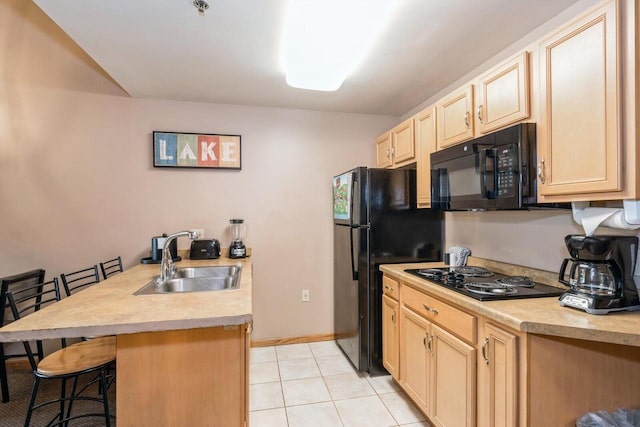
(498, 378)
(383, 150)
(503, 95)
(578, 137)
(452, 385)
(390, 338)
(455, 121)
(414, 368)
(425, 137)
(191, 388)
(403, 147)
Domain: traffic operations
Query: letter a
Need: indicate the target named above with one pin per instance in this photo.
(187, 152)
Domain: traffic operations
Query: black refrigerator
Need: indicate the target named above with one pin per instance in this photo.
(376, 221)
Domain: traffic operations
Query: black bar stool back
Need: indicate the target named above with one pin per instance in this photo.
(76, 281)
(111, 267)
(8, 283)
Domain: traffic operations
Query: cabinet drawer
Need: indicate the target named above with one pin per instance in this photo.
(391, 287)
(457, 321)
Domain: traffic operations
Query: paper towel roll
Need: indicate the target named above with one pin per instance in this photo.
(592, 218)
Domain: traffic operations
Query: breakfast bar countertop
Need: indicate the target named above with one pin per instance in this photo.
(111, 308)
(543, 316)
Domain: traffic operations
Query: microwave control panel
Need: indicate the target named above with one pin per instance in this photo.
(508, 177)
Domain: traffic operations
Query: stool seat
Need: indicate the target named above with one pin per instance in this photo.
(82, 356)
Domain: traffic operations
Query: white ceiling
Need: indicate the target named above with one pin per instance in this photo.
(163, 49)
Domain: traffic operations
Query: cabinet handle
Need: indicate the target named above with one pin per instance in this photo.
(480, 114)
(424, 342)
(429, 344)
(393, 151)
(432, 310)
(393, 317)
(388, 153)
(541, 170)
(485, 343)
(466, 120)
(389, 288)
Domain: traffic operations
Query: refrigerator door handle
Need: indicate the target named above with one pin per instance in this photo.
(354, 180)
(354, 272)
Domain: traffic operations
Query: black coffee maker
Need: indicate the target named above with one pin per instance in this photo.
(601, 274)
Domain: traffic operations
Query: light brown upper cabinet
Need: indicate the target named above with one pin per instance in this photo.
(579, 141)
(502, 95)
(396, 148)
(455, 121)
(383, 150)
(424, 124)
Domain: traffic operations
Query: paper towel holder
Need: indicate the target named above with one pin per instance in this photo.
(628, 217)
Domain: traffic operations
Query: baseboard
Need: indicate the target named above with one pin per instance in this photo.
(18, 363)
(292, 340)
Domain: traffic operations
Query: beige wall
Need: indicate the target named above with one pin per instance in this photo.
(529, 238)
(77, 184)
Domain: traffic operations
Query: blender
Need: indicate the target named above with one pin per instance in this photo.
(237, 248)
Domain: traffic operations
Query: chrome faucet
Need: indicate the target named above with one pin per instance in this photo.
(166, 266)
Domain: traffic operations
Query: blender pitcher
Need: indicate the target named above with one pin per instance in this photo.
(237, 248)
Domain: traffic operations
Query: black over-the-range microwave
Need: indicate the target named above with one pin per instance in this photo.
(495, 171)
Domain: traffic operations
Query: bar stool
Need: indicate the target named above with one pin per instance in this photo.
(6, 283)
(111, 267)
(95, 356)
(79, 279)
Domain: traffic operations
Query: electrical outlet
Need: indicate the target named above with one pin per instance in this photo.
(200, 232)
(305, 295)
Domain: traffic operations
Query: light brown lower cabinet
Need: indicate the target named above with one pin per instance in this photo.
(504, 378)
(414, 361)
(497, 377)
(437, 370)
(390, 337)
(194, 377)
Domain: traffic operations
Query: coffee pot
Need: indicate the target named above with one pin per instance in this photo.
(601, 274)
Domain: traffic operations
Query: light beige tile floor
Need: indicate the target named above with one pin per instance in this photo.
(315, 385)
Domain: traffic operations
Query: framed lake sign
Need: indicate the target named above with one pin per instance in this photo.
(196, 150)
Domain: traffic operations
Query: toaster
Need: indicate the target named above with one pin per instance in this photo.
(205, 249)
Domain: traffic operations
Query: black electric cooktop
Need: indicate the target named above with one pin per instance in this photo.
(485, 285)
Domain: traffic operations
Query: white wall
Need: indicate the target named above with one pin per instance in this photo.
(77, 184)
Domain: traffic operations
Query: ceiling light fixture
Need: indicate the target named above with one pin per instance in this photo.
(326, 40)
(201, 5)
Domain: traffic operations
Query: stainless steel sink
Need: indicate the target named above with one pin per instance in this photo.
(217, 271)
(196, 279)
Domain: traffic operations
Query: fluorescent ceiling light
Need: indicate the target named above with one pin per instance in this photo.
(326, 39)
